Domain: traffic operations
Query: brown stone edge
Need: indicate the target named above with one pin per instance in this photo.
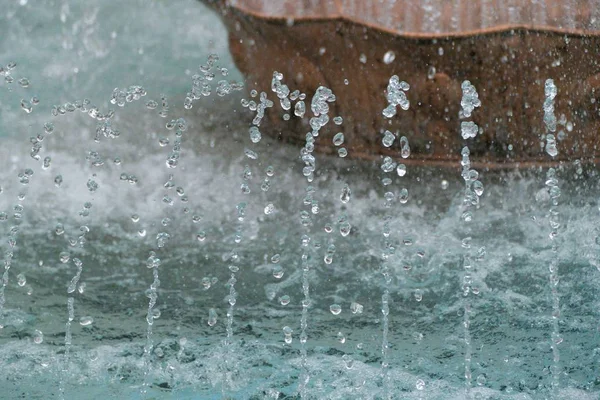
(416, 35)
(505, 164)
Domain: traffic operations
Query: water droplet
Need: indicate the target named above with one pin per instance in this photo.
(356, 308)
(92, 185)
(335, 309)
(26, 106)
(251, 154)
(38, 337)
(287, 333)
(338, 139)
(86, 321)
(388, 139)
(161, 239)
(345, 228)
(346, 194)
(420, 384)
(64, 257)
(212, 317)
(284, 300)
(481, 380)
(418, 295)
(403, 197)
(348, 361)
(431, 72)
(389, 57)
(404, 147)
(269, 209)
(341, 338)
(401, 169)
(478, 188)
(21, 280)
(46, 163)
(255, 134)
(342, 152)
(278, 272)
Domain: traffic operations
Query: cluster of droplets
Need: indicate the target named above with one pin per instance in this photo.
(7, 72)
(153, 262)
(286, 97)
(320, 109)
(73, 287)
(122, 96)
(201, 82)
(549, 117)
(470, 101)
(164, 103)
(473, 190)
(552, 185)
(396, 96)
(11, 240)
(84, 106)
(36, 144)
(180, 126)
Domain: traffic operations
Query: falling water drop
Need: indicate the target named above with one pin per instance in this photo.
(269, 209)
(335, 309)
(388, 139)
(212, 317)
(418, 295)
(338, 139)
(46, 163)
(38, 337)
(420, 384)
(431, 72)
(287, 334)
(401, 169)
(404, 147)
(346, 194)
(26, 106)
(278, 272)
(389, 57)
(64, 257)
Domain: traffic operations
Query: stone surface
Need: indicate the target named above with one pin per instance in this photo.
(507, 66)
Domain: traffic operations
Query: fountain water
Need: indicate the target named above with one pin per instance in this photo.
(150, 176)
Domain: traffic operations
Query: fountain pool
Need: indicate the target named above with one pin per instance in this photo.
(119, 278)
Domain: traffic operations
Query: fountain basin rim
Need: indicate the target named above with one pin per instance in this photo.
(498, 29)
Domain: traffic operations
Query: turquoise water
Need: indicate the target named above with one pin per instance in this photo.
(80, 49)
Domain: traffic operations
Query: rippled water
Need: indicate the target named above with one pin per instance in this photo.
(76, 49)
